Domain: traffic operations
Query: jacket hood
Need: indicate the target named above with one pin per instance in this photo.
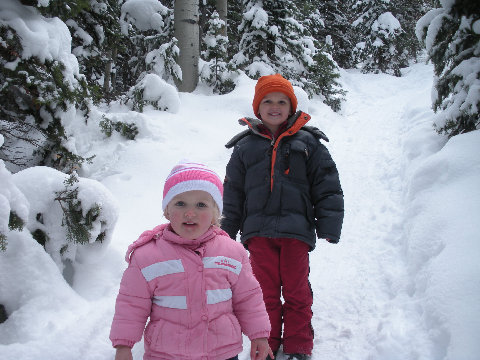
(165, 231)
(294, 123)
(298, 119)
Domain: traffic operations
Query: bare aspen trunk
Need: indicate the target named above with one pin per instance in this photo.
(186, 31)
(222, 12)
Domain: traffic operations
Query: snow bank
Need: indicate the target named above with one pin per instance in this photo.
(442, 232)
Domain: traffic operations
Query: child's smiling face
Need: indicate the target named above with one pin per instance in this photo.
(274, 109)
(191, 213)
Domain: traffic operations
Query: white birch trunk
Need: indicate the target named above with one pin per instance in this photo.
(186, 32)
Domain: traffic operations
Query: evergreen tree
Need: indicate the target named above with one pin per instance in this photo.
(292, 49)
(452, 38)
(323, 72)
(153, 47)
(409, 11)
(206, 8)
(256, 44)
(329, 22)
(274, 41)
(97, 42)
(383, 48)
(36, 94)
(235, 16)
(215, 71)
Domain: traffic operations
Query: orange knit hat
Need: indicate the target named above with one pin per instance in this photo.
(272, 83)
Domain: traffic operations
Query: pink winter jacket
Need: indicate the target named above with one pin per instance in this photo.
(200, 296)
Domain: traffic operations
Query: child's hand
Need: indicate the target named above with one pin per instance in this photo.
(123, 353)
(260, 349)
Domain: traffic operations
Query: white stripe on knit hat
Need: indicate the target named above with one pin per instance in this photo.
(191, 185)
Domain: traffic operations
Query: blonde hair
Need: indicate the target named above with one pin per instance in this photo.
(217, 217)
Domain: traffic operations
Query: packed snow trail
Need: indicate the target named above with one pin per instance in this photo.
(361, 308)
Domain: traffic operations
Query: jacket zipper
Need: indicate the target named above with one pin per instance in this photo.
(275, 142)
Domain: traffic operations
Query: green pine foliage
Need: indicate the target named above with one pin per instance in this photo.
(3, 242)
(292, 48)
(108, 127)
(78, 223)
(325, 80)
(15, 222)
(452, 38)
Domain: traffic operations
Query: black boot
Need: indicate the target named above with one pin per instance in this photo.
(298, 357)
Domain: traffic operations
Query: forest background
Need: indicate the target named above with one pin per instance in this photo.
(119, 46)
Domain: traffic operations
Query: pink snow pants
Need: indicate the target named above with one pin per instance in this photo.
(281, 266)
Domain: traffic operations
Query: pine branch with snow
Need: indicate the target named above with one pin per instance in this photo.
(451, 35)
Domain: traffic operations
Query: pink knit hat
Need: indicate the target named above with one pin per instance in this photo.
(188, 176)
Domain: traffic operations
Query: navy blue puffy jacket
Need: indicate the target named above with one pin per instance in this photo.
(286, 187)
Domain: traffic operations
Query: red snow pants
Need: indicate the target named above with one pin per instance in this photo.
(281, 266)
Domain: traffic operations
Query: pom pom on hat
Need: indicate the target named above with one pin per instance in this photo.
(273, 83)
(188, 176)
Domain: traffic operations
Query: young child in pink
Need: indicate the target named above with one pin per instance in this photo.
(191, 282)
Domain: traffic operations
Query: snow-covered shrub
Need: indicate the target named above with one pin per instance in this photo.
(72, 217)
(127, 130)
(382, 46)
(153, 90)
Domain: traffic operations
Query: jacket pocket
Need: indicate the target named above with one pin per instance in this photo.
(224, 333)
(296, 155)
(165, 337)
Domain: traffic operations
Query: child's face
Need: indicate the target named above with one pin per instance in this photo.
(191, 213)
(274, 109)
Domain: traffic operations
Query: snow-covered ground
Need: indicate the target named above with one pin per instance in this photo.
(403, 283)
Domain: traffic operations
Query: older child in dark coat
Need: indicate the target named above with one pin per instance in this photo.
(281, 187)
